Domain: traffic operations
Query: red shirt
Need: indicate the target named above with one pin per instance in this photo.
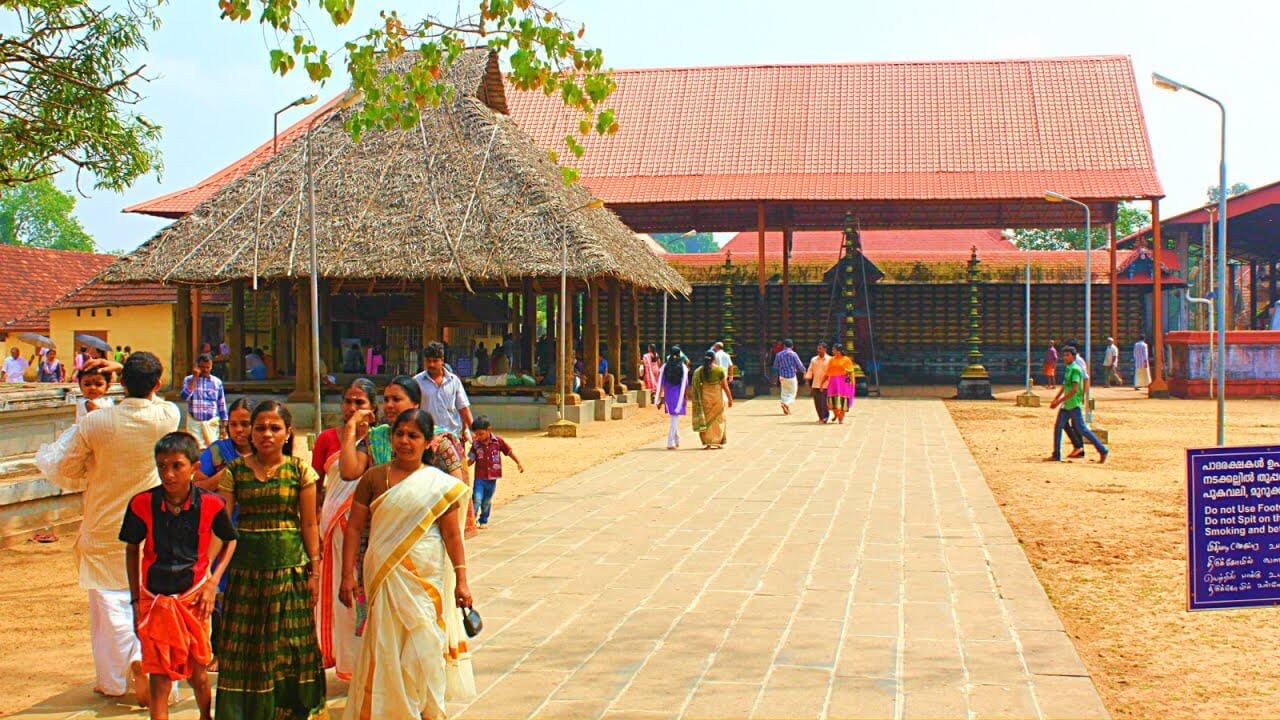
(487, 456)
(327, 443)
(175, 548)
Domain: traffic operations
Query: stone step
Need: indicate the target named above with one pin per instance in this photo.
(29, 502)
(16, 466)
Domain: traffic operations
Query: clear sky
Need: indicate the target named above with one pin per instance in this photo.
(214, 95)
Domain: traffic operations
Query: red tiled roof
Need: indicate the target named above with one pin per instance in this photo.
(31, 279)
(98, 294)
(864, 131)
(875, 243)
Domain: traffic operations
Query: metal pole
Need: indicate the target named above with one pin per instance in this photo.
(1088, 312)
(564, 312)
(1222, 276)
(1027, 313)
(315, 286)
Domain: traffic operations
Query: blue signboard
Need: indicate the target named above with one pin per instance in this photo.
(1233, 527)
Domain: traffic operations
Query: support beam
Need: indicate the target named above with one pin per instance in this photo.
(554, 310)
(564, 347)
(1253, 295)
(633, 345)
(1271, 278)
(182, 359)
(1115, 284)
(430, 311)
(528, 328)
(1231, 296)
(329, 352)
(235, 335)
(303, 383)
(786, 276)
(1158, 387)
(281, 336)
(591, 389)
(197, 297)
(615, 353)
(763, 386)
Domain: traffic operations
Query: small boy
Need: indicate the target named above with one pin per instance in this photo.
(180, 528)
(93, 392)
(486, 454)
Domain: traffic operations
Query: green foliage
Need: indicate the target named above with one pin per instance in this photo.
(544, 52)
(1129, 219)
(678, 243)
(66, 87)
(1214, 194)
(37, 214)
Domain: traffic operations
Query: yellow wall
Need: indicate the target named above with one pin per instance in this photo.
(142, 327)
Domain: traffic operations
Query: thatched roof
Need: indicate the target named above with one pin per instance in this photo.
(464, 194)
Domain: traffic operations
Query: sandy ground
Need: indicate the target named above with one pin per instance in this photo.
(1108, 543)
(44, 624)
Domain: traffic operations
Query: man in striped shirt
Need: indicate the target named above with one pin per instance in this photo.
(787, 366)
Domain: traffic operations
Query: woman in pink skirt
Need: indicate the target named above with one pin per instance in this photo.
(840, 382)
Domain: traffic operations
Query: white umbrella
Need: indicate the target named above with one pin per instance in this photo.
(94, 342)
(36, 339)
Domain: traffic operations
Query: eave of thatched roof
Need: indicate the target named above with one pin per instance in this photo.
(464, 194)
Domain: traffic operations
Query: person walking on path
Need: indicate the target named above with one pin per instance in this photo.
(179, 541)
(1071, 398)
(446, 400)
(817, 377)
(709, 391)
(414, 656)
(206, 402)
(487, 449)
(723, 361)
(650, 364)
(1051, 365)
(840, 382)
(788, 367)
(1141, 364)
(51, 369)
(111, 458)
(269, 665)
(673, 392)
(1111, 362)
(15, 366)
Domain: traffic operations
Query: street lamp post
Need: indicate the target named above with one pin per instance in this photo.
(1165, 83)
(275, 120)
(562, 427)
(1088, 294)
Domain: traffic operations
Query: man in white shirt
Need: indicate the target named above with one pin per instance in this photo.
(1141, 364)
(15, 366)
(722, 359)
(1111, 362)
(111, 458)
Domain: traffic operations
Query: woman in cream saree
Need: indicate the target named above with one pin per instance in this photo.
(710, 391)
(413, 653)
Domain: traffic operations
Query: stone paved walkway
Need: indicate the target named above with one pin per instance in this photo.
(845, 571)
(861, 570)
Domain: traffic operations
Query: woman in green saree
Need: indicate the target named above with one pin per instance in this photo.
(709, 394)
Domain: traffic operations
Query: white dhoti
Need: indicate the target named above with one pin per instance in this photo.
(413, 656)
(335, 622)
(1142, 377)
(207, 432)
(789, 388)
(115, 646)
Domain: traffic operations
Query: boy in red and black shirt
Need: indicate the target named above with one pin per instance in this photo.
(173, 532)
(486, 454)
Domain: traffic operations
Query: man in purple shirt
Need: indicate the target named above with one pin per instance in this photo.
(788, 368)
(206, 402)
(1051, 365)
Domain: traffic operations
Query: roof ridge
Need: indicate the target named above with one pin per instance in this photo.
(865, 63)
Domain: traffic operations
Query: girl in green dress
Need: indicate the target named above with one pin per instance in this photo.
(270, 662)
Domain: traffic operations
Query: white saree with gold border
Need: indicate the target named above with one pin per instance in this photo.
(413, 654)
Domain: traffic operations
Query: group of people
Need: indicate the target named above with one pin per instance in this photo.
(48, 367)
(704, 391)
(1110, 364)
(222, 547)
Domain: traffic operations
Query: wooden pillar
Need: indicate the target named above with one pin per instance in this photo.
(615, 353)
(430, 313)
(1229, 298)
(197, 297)
(564, 345)
(554, 309)
(235, 338)
(1158, 387)
(591, 343)
(329, 352)
(633, 346)
(786, 275)
(182, 359)
(1253, 295)
(762, 329)
(528, 327)
(1115, 286)
(303, 382)
(281, 338)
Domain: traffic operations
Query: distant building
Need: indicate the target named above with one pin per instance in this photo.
(32, 279)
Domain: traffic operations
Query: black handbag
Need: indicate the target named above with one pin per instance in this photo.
(471, 622)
